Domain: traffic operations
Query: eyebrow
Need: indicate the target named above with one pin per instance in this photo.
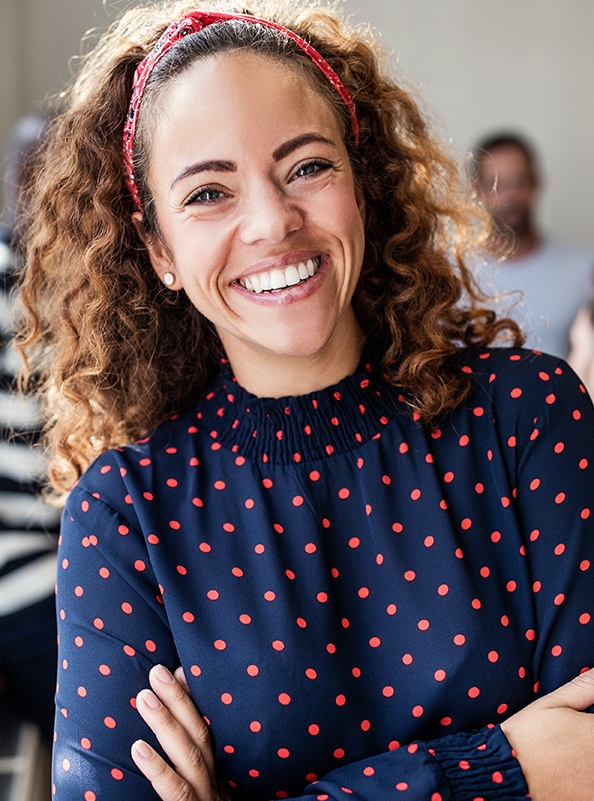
(281, 152)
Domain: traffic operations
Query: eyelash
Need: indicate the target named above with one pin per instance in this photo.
(320, 166)
(195, 196)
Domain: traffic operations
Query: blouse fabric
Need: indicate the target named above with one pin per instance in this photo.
(357, 603)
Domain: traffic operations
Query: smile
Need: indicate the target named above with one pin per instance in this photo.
(273, 280)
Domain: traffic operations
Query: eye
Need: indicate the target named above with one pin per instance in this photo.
(205, 196)
(312, 168)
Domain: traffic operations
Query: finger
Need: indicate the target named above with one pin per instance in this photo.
(181, 748)
(577, 694)
(166, 782)
(181, 677)
(181, 705)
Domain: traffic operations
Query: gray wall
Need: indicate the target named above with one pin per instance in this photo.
(478, 65)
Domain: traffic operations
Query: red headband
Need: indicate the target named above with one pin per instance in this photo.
(193, 22)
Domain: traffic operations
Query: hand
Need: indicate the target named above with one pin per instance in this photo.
(172, 715)
(554, 742)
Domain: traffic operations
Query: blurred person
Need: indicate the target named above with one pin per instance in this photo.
(552, 276)
(581, 337)
(28, 648)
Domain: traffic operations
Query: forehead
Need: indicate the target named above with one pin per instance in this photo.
(225, 99)
(507, 159)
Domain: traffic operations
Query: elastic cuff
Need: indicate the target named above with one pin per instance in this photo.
(480, 766)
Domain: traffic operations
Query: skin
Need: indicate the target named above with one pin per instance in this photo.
(259, 178)
(290, 194)
(509, 190)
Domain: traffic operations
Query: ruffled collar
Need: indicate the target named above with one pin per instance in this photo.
(301, 428)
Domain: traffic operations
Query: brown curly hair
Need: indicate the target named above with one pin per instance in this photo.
(110, 348)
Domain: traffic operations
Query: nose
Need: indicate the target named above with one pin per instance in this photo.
(270, 215)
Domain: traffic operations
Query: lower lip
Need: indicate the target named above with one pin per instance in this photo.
(290, 294)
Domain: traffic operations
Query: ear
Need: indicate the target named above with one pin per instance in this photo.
(161, 259)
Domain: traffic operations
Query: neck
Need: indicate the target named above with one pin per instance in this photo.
(526, 242)
(272, 375)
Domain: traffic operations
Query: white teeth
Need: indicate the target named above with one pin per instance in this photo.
(303, 273)
(276, 280)
(292, 275)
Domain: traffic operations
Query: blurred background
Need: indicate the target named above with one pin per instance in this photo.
(477, 66)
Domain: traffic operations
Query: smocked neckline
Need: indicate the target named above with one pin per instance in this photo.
(300, 428)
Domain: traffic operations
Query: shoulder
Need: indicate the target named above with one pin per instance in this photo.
(517, 377)
(561, 252)
(120, 475)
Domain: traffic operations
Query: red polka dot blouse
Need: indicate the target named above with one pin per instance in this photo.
(356, 602)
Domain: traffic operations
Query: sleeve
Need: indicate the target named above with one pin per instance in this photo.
(555, 500)
(112, 629)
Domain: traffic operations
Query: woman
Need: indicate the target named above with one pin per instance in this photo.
(354, 532)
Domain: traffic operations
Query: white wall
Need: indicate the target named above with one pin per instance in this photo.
(526, 64)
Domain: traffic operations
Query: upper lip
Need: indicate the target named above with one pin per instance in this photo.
(279, 263)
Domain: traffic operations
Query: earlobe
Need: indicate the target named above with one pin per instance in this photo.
(160, 258)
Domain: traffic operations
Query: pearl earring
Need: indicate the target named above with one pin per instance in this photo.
(168, 279)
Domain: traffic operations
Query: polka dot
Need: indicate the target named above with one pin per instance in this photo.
(220, 645)
(387, 691)
(117, 774)
(284, 753)
(407, 659)
(109, 722)
(227, 698)
(344, 493)
(459, 639)
(284, 699)
(439, 675)
(415, 494)
(252, 670)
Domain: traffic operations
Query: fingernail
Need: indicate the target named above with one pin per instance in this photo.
(144, 750)
(181, 676)
(163, 674)
(150, 699)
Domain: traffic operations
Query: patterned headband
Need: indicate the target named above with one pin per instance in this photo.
(193, 22)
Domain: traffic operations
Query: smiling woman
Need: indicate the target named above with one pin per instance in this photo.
(344, 536)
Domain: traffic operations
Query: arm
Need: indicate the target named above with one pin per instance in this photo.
(112, 630)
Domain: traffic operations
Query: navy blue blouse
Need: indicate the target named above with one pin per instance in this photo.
(356, 602)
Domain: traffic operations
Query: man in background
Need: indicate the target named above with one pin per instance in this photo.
(554, 277)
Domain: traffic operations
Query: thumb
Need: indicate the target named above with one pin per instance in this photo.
(577, 694)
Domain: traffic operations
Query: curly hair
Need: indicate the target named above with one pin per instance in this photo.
(110, 349)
